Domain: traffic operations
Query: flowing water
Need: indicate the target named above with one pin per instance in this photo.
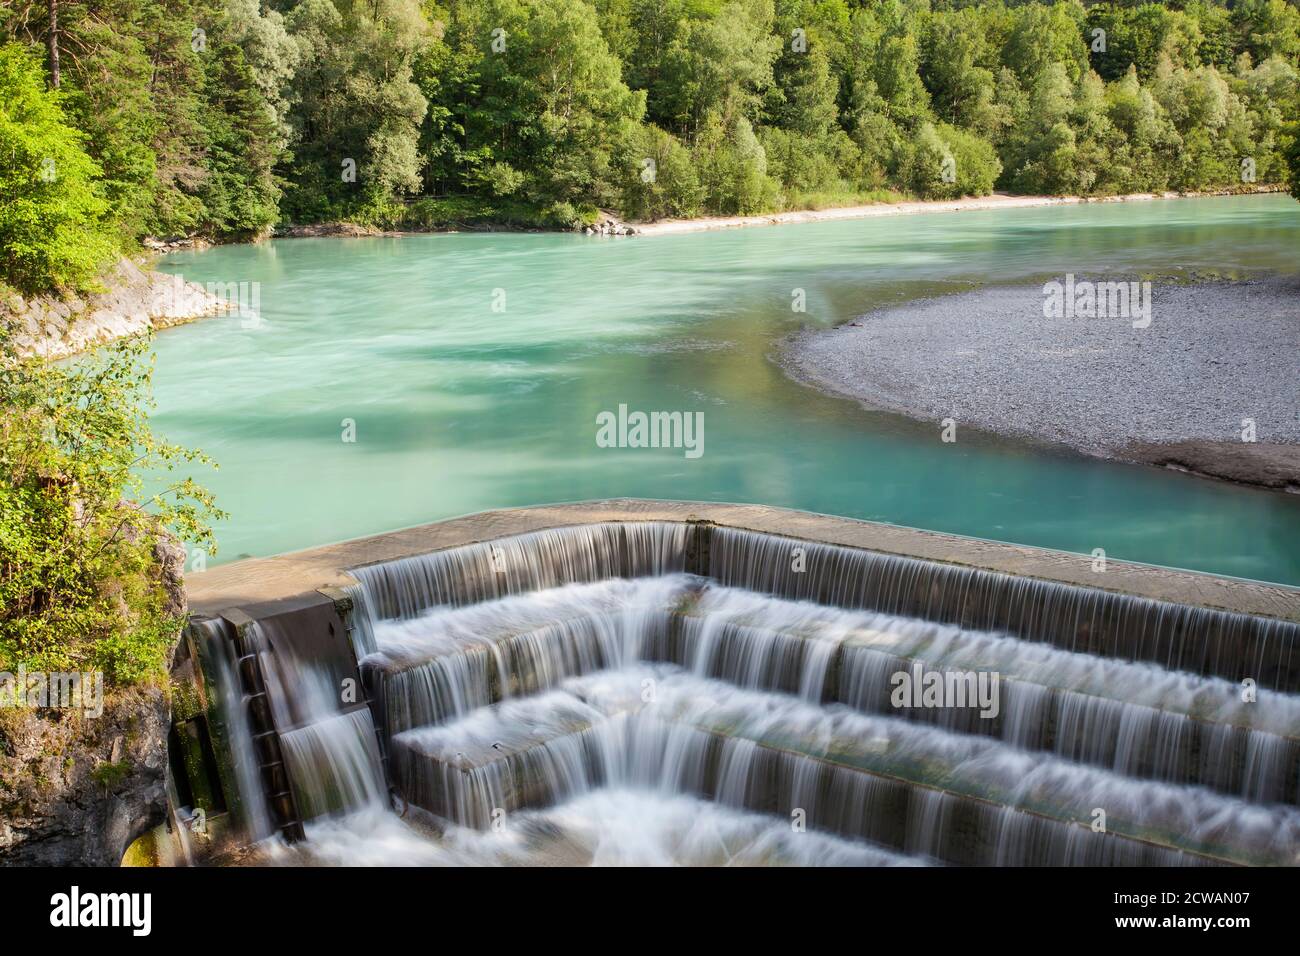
(576, 696)
(235, 727)
(329, 750)
(459, 406)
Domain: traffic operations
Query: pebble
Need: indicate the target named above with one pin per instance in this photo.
(1214, 354)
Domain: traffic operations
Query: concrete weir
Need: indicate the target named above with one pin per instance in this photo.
(505, 663)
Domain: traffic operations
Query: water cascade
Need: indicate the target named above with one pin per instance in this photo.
(1178, 637)
(217, 639)
(293, 746)
(329, 748)
(678, 692)
(515, 678)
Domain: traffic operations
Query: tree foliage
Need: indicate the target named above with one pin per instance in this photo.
(78, 522)
(223, 117)
(51, 201)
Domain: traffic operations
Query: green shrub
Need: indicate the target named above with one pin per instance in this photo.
(944, 162)
(110, 775)
(798, 168)
(1293, 151)
(733, 169)
(79, 583)
(500, 179)
(445, 213)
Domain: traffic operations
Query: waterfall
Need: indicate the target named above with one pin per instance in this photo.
(333, 764)
(451, 660)
(232, 707)
(772, 752)
(529, 562)
(1178, 637)
(628, 692)
(328, 744)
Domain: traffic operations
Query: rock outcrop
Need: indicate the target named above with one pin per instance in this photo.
(174, 244)
(135, 300)
(609, 225)
(76, 789)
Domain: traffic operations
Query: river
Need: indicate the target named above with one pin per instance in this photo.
(470, 370)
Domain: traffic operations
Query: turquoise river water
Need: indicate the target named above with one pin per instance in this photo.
(473, 366)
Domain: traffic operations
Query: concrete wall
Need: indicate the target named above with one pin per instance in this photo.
(261, 580)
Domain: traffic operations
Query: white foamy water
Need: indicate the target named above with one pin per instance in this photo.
(556, 712)
(605, 828)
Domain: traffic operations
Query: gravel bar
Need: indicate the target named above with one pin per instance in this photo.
(1174, 393)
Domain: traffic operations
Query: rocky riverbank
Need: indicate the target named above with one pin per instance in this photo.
(609, 224)
(911, 208)
(76, 790)
(605, 224)
(135, 299)
(1208, 386)
(77, 787)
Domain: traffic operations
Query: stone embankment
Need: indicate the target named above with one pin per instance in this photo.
(134, 300)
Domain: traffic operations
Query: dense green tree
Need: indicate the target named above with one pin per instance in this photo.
(656, 25)
(356, 121)
(1139, 36)
(663, 183)
(733, 167)
(1267, 28)
(1210, 121)
(176, 61)
(896, 69)
(958, 66)
(222, 117)
(536, 108)
(52, 230)
(1043, 35)
(1145, 137)
(803, 99)
(720, 67)
(239, 192)
(944, 162)
(108, 78)
(273, 57)
(1218, 35)
(137, 77)
(1043, 150)
(1293, 160)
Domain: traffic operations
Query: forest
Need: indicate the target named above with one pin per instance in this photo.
(221, 119)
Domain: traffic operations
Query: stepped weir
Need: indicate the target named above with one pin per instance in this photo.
(646, 682)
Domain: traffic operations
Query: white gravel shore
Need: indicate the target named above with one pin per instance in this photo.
(1174, 393)
(666, 227)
